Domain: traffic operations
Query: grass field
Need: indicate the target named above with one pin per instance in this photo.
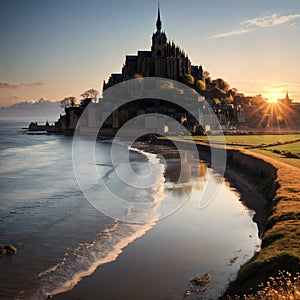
(294, 147)
(264, 143)
(290, 161)
(251, 140)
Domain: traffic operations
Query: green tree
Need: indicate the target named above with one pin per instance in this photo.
(188, 79)
(201, 86)
(217, 89)
(229, 99)
(221, 85)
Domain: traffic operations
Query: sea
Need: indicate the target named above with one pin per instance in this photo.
(61, 237)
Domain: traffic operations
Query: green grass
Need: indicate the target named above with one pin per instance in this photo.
(263, 143)
(258, 140)
(290, 161)
(251, 140)
(280, 242)
(294, 147)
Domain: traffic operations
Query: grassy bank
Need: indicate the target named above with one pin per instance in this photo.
(280, 250)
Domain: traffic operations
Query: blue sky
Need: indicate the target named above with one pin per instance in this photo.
(54, 49)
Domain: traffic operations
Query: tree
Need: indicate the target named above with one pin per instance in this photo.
(258, 100)
(188, 79)
(241, 99)
(217, 89)
(221, 85)
(87, 97)
(72, 101)
(201, 86)
(229, 99)
(206, 77)
(68, 101)
(89, 94)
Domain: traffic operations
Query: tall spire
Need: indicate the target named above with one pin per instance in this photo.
(287, 95)
(158, 22)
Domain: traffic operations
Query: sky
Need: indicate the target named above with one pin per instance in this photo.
(59, 48)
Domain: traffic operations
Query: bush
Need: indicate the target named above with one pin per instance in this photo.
(188, 79)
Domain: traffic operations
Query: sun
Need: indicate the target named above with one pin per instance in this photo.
(272, 98)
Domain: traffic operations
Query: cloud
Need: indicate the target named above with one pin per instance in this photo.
(230, 33)
(278, 85)
(13, 86)
(266, 21)
(32, 110)
(270, 21)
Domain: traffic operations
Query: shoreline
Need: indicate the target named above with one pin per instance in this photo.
(279, 184)
(194, 266)
(277, 213)
(245, 171)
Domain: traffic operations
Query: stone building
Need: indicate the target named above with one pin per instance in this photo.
(165, 59)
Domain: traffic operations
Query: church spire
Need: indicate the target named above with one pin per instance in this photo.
(158, 22)
(287, 95)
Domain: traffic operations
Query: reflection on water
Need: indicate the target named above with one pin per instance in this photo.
(217, 239)
(188, 242)
(186, 174)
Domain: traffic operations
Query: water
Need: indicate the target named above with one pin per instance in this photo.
(61, 237)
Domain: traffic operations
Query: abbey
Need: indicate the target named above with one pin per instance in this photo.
(164, 60)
